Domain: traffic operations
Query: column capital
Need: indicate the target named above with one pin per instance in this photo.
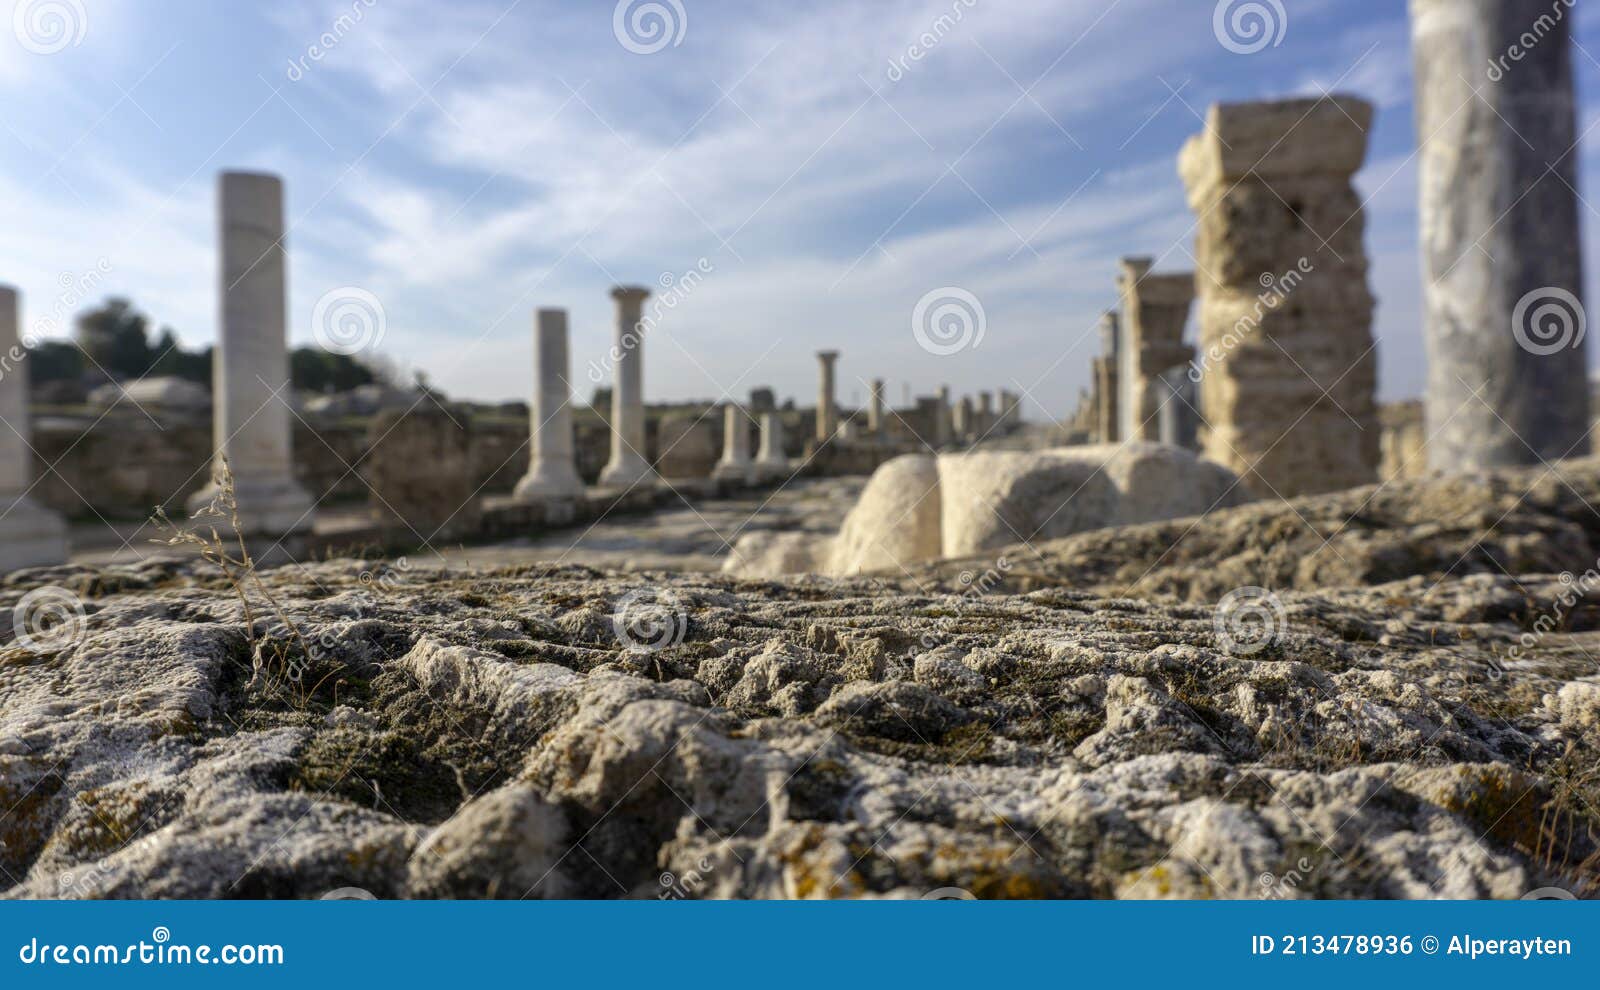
(630, 293)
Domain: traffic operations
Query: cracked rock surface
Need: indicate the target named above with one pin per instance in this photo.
(1394, 731)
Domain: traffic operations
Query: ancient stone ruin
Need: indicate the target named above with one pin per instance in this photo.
(1286, 361)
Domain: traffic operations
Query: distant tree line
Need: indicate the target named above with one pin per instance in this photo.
(115, 340)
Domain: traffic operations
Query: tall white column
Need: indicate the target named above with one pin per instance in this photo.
(827, 408)
(30, 535)
(628, 465)
(250, 368)
(771, 460)
(552, 468)
(1501, 246)
(735, 464)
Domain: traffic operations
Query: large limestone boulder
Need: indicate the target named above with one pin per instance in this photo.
(1001, 498)
(1159, 481)
(896, 522)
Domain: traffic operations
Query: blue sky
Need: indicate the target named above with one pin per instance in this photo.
(466, 162)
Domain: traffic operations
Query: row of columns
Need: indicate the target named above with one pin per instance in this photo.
(950, 422)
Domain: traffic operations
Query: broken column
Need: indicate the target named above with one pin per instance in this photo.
(250, 367)
(1287, 367)
(1108, 410)
(771, 460)
(875, 409)
(30, 535)
(552, 469)
(735, 465)
(1155, 309)
(827, 409)
(1501, 245)
(628, 465)
(963, 419)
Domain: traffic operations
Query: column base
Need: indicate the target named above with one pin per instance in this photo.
(31, 535)
(630, 472)
(267, 506)
(547, 483)
(744, 473)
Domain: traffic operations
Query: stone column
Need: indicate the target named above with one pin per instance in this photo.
(1287, 367)
(875, 409)
(963, 419)
(942, 425)
(250, 367)
(30, 535)
(985, 412)
(1501, 245)
(552, 468)
(1010, 409)
(1108, 408)
(827, 409)
(771, 459)
(735, 464)
(1155, 309)
(1179, 418)
(628, 465)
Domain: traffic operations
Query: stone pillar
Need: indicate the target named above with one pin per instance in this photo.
(1010, 409)
(1287, 368)
(628, 465)
(1179, 417)
(1501, 245)
(827, 409)
(875, 409)
(943, 428)
(1155, 309)
(1108, 407)
(250, 367)
(735, 464)
(963, 419)
(30, 535)
(985, 412)
(552, 469)
(771, 459)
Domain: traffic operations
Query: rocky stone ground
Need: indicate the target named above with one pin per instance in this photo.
(1413, 711)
